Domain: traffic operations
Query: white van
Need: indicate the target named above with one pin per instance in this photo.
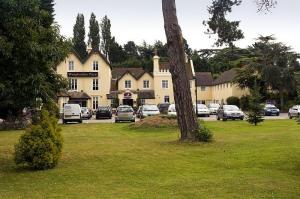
(72, 113)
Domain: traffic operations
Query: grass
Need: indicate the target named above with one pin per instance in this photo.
(114, 161)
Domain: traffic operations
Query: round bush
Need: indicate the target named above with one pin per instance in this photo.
(204, 134)
(41, 146)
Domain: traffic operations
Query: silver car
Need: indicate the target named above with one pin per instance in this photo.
(125, 113)
(149, 110)
(294, 111)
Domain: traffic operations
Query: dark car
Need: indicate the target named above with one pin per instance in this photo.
(233, 112)
(270, 110)
(103, 112)
(163, 108)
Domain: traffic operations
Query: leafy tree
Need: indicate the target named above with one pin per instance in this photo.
(233, 101)
(94, 34)
(79, 36)
(106, 36)
(131, 50)
(29, 52)
(255, 107)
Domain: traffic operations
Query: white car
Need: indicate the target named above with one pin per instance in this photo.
(149, 110)
(72, 113)
(230, 112)
(213, 108)
(172, 110)
(202, 110)
(294, 111)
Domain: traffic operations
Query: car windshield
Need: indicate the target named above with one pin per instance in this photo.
(103, 108)
(125, 109)
(150, 108)
(231, 108)
(214, 106)
(201, 106)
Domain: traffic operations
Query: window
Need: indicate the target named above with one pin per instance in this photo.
(143, 101)
(71, 65)
(127, 83)
(164, 84)
(203, 88)
(146, 84)
(73, 84)
(95, 65)
(95, 84)
(167, 99)
(95, 102)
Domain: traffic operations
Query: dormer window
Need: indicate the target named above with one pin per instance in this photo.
(71, 65)
(95, 66)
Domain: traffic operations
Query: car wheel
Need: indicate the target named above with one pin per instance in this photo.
(80, 121)
(290, 116)
(242, 118)
(278, 114)
(218, 117)
(64, 122)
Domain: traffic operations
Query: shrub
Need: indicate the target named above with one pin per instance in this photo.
(204, 134)
(244, 102)
(233, 101)
(255, 108)
(41, 146)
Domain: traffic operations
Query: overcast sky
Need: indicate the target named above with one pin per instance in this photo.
(140, 20)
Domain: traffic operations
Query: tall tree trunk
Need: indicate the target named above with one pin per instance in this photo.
(187, 119)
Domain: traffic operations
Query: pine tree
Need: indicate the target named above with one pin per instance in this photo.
(106, 36)
(255, 115)
(94, 34)
(48, 7)
(79, 36)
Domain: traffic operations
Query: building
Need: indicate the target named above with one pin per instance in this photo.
(92, 82)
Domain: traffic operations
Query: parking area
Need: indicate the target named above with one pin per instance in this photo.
(93, 120)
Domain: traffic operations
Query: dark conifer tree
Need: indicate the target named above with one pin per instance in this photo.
(94, 34)
(48, 7)
(79, 36)
(106, 36)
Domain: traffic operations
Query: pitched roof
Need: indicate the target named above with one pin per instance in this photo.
(226, 77)
(83, 60)
(204, 79)
(118, 73)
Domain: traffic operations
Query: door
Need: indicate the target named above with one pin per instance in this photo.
(128, 102)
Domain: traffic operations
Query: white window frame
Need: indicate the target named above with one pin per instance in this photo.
(127, 84)
(73, 84)
(95, 102)
(71, 66)
(165, 84)
(95, 84)
(95, 65)
(143, 101)
(167, 99)
(146, 84)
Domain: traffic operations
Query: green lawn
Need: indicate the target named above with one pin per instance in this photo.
(113, 161)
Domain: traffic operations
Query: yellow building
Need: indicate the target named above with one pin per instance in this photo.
(92, 83)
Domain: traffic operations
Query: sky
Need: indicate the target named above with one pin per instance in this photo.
(139, 20)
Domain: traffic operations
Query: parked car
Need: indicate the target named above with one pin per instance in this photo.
(226, 112)
(125, 113)
(86, 113)
(103, 112)
(271, 109)
(294, 111)
(213, 108)
(163, 108)
(148, 110)
(172, 110)
(72, 113)
(202, 110)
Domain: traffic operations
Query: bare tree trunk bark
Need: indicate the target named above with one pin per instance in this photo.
(187, 119)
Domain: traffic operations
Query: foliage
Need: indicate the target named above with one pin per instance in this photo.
(94, 34)
(29, 52)
(233, 101)
(41, 146)
(48, 7)
(106, 38)
(156, 122)
(79, 36)
(255, 114)
(244, 102)
(204, 134)
(227, 31)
